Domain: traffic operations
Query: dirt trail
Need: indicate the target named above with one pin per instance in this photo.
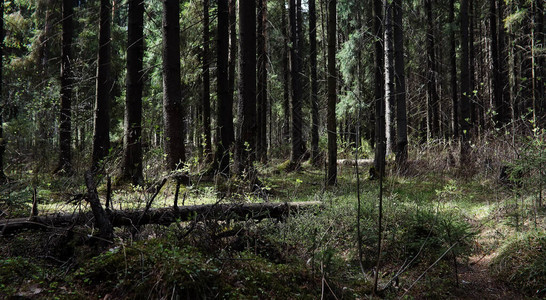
(475, 281)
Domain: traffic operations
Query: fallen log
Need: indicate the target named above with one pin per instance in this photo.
(160, 216)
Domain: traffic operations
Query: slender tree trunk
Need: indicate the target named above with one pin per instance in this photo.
(3, 177)
(224, 111)
(378, 86)
(432, 92)
(505, 113)
(400, 81)
(314, 83)
(476, 108)
(465, 83)
(261, 112)
(246, 145)
(295, 59)
(389, 77)
(101, 134)
(132, 137)
(540, 34)
(286, 76)
(173, 111)
(232, 63)
(65, 127)
(332, 96)
(206, 80)
(453, 71)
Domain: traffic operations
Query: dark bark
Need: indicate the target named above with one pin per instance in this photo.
(296, 63)
(540, 34)
(172, 95)
(261, 111)
(132, 137)
(224, 111)
(453, 71)
(162, 216)
(286, 76)
(206, 80)
(246, 144)
(400, 82)
(101, 134)
(106, 230)
(314, 83)
(476, 108)
(3, 177)
(332, 95)
(65, 126)
(433, 99)
(232, 63)
(465, 84)
(379, 112)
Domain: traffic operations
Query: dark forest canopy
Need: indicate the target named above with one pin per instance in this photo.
(465, 69)
(151, 107)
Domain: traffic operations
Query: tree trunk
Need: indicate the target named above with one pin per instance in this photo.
(3, 143)
(206, 80)
(314, 83)
(453, 71)
(465, 91)
(101, 134)
(173, 111)
(379, 90)
(295, 59)
(246, 145)
(432, 92)
(65, 126)
(286, 76)
(232, 63)
(332, 96)
(162, 216)
(224, 111)
(132, 137)
(400, 81)
(389, 77)
(540, 34)
(261, 112)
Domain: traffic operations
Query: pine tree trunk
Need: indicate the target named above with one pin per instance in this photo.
(246, 145)
(65, 126)
(432, 92)
(453, 71)
(132, 137)
(286, 76)
(400, 81)
(3, 177)
(206, 80)
(332, 96)
(232, 63)
(224, 111)
(295, 59)
(314, 83)
(173, 111)
(261, 112)
(465, 91)
(101, 134)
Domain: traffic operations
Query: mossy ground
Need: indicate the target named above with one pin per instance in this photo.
(433, 218)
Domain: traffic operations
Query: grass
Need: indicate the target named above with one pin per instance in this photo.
(305, 256)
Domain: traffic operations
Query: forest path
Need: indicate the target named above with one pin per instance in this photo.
(476, 282)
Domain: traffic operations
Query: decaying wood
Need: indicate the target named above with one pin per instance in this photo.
(161, 216)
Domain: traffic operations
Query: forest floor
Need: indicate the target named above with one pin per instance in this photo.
(433, 215)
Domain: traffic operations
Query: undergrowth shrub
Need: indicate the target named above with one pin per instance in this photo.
(521, 262)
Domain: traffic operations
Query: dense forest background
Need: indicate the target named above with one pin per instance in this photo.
(119, 107)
